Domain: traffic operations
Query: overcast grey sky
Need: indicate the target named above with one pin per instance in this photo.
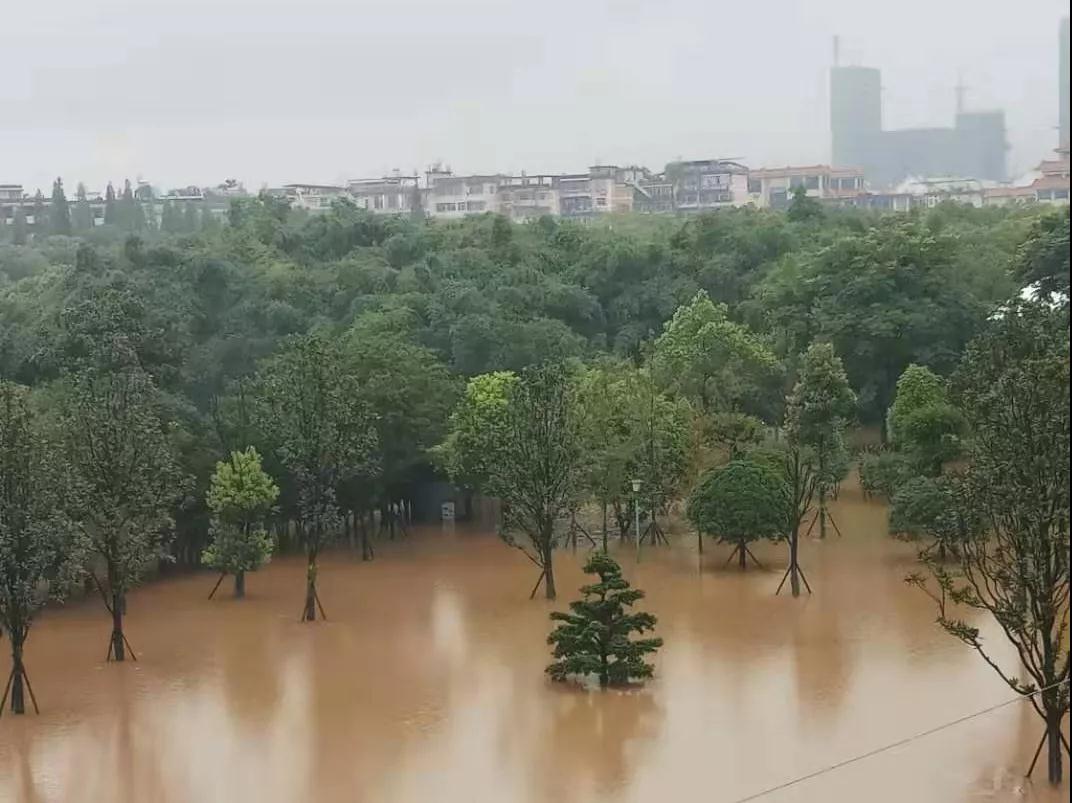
(269, 91)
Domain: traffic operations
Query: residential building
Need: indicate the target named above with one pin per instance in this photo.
(449, 196)
(773, 187)
(527, 197)
(390, 195)
(313, 197)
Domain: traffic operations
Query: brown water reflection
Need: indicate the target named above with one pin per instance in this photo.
(426, 684)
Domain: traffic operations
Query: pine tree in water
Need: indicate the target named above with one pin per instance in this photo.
(593, 639)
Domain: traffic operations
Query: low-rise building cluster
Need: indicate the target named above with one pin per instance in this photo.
(681, 187)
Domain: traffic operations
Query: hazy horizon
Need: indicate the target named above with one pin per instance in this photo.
(197, 91)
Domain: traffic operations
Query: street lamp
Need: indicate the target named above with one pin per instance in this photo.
(636, 513)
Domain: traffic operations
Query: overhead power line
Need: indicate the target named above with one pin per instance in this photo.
(930, 731)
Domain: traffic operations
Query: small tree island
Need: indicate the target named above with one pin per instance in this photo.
(593, 639)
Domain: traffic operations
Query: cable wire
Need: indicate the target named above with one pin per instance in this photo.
(900, 742)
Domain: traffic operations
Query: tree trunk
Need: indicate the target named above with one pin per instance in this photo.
(794, 573)
(548, 574)
(1054, 770)
(240, 584)
(18, 702)
(310, 589)
(366, 544)
(742, 556)
(118, 647)
(604, 527)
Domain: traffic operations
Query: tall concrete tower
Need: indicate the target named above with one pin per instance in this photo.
(855, 115)
(1063, 78)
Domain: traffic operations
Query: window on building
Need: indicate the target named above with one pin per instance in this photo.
(755, 185)
(811, 182)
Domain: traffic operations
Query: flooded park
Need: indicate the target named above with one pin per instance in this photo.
(426, 683)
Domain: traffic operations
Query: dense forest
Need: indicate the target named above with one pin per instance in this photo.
(410, 309)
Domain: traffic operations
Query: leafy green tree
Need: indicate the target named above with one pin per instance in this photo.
(608, 400)
(127, 482)
(240, 497)
(803, 208)
(39, 548)
(40, 216)
(922, 422)
(190, 218)
(536, 468)
(936, 509)
(477, 430)
(816, 412)
(1013, 386)
(59, 213)
(311, 409)
(20, 230)
(594, 637)
(1043, 258)
(706, 357)
(410, 393)
(740, 503)
(112, 214)
(83, 213)
(886, 296)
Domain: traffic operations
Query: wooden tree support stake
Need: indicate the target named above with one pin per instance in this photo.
(539, 580)
(213, 592)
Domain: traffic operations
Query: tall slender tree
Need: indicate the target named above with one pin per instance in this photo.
(127, 480)
(1013, 386)
(312, 410)
(59, 212)
(111, 206)
(83, 212)
(240, 496)
(816, 413)
(39, 550)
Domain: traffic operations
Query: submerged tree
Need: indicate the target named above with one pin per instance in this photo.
(538, 468)
(922, 422)
(240, 497)
(1013, 386)
(127, 480)
(594, 637)
(313, 413)
(38, 547)
(816, 412)
(936, 509)
(739, 503)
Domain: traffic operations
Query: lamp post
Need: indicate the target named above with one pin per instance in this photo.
(636, 514)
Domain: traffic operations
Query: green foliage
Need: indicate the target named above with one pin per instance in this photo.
(740, 502)
(935, 509)
(922, 422)
(884, 472)
(885, 297)
(59, 213)
(240, 496)
(1042, 261)
(1013, 385)
(803, 208)
(40, 550)
(594, 637)
(538, 467)
(477, 431)
(708, 358)
(125, 475)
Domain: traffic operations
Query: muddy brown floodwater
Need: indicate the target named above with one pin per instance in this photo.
(426, 684)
